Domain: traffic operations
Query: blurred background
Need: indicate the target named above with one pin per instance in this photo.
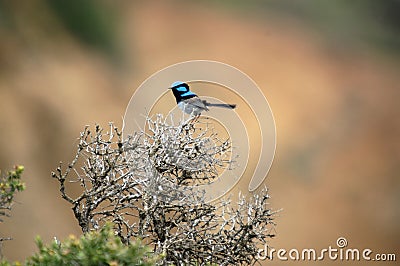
(329, 69)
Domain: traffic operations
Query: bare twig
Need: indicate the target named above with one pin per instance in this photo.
(144, 184)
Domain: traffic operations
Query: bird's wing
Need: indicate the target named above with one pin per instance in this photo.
(195, 101)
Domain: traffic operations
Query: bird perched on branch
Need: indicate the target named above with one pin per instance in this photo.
(190, 103)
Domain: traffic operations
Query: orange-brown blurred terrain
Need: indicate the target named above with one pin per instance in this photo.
(335, 101)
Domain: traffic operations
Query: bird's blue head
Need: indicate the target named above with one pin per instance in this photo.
(181, 91)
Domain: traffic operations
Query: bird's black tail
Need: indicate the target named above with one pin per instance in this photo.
(223, 105)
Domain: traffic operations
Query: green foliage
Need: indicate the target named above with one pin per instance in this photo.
(90, 21)
(6, 263)
(93, 248)
(10, 184)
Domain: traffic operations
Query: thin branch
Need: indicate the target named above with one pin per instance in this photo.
(144, 185)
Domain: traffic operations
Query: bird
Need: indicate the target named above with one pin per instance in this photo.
(190, 103)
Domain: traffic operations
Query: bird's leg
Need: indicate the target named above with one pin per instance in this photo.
(195, 119)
